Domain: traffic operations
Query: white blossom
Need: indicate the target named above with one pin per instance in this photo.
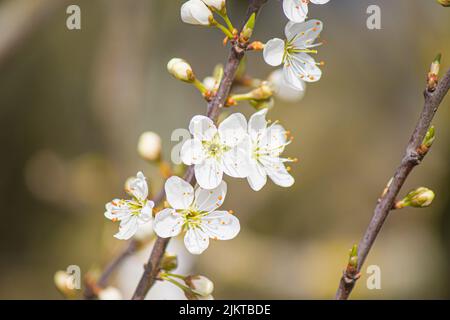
(196, 12)
(283, 90)
(297, 10)
(196, 214)
(131, 213)
(149, 146)
(214, 151)
(294, 52)
(268, 142)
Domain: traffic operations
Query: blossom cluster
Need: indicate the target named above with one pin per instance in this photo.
(238, 148)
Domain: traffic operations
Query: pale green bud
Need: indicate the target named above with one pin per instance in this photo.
(418, 198)
(181, 70)
(429, 137)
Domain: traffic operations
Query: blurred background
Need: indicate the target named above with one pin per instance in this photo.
(73, 104)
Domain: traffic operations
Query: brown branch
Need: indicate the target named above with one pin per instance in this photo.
(237, 52)
(413, 156)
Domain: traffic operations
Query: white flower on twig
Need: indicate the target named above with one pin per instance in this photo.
(214, 151)
(131, 213)
(196, 12)
(195, 213)
(297, 10)
(294, 52)
(268, 142)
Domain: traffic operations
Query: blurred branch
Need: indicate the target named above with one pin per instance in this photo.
(237, 52)
(102, 282)
(19, 19)
(413, 157)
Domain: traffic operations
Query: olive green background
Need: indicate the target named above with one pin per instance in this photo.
(73, 104)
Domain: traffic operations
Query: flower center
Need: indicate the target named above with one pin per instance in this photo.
(192, 217)
(215, 148)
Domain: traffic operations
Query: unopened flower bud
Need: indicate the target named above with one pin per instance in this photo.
(149, 146)
(196, 12)
(169, 262)
(180, 69)
(418, 198)
(200, 285)
(436, 64)
(64, 282)
(216, 4)
(445, 3)
(263, 92)
(110, 293)
(429, 137)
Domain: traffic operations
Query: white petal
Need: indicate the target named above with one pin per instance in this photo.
(257, 123)
(295, 10)
(233, 129)
(179, 193)
(209, 173)
(221, 225)
(236, 161)
(168, 223)
(277, 172)
(202, 128)
(274, 139)
(138, 187)
(285, 91)
(146, 212)
(257, 177)
(305, 67)
(196, 241)
(274, 52)
(195, 12)
(192, 152)
(217, 4)
(320, 1)
(209, 200)
(303, 34)
(117, 210)
(292, 78)
(127, 228)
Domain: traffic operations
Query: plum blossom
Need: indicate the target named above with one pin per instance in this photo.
(293, 53)
(133, 213)
(283, 90)
(195, 212)
(297, 10)
(196, 12)
(214, 151)
(267, 144)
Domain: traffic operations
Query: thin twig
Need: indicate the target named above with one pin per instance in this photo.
(237, 52)
(411, 159)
